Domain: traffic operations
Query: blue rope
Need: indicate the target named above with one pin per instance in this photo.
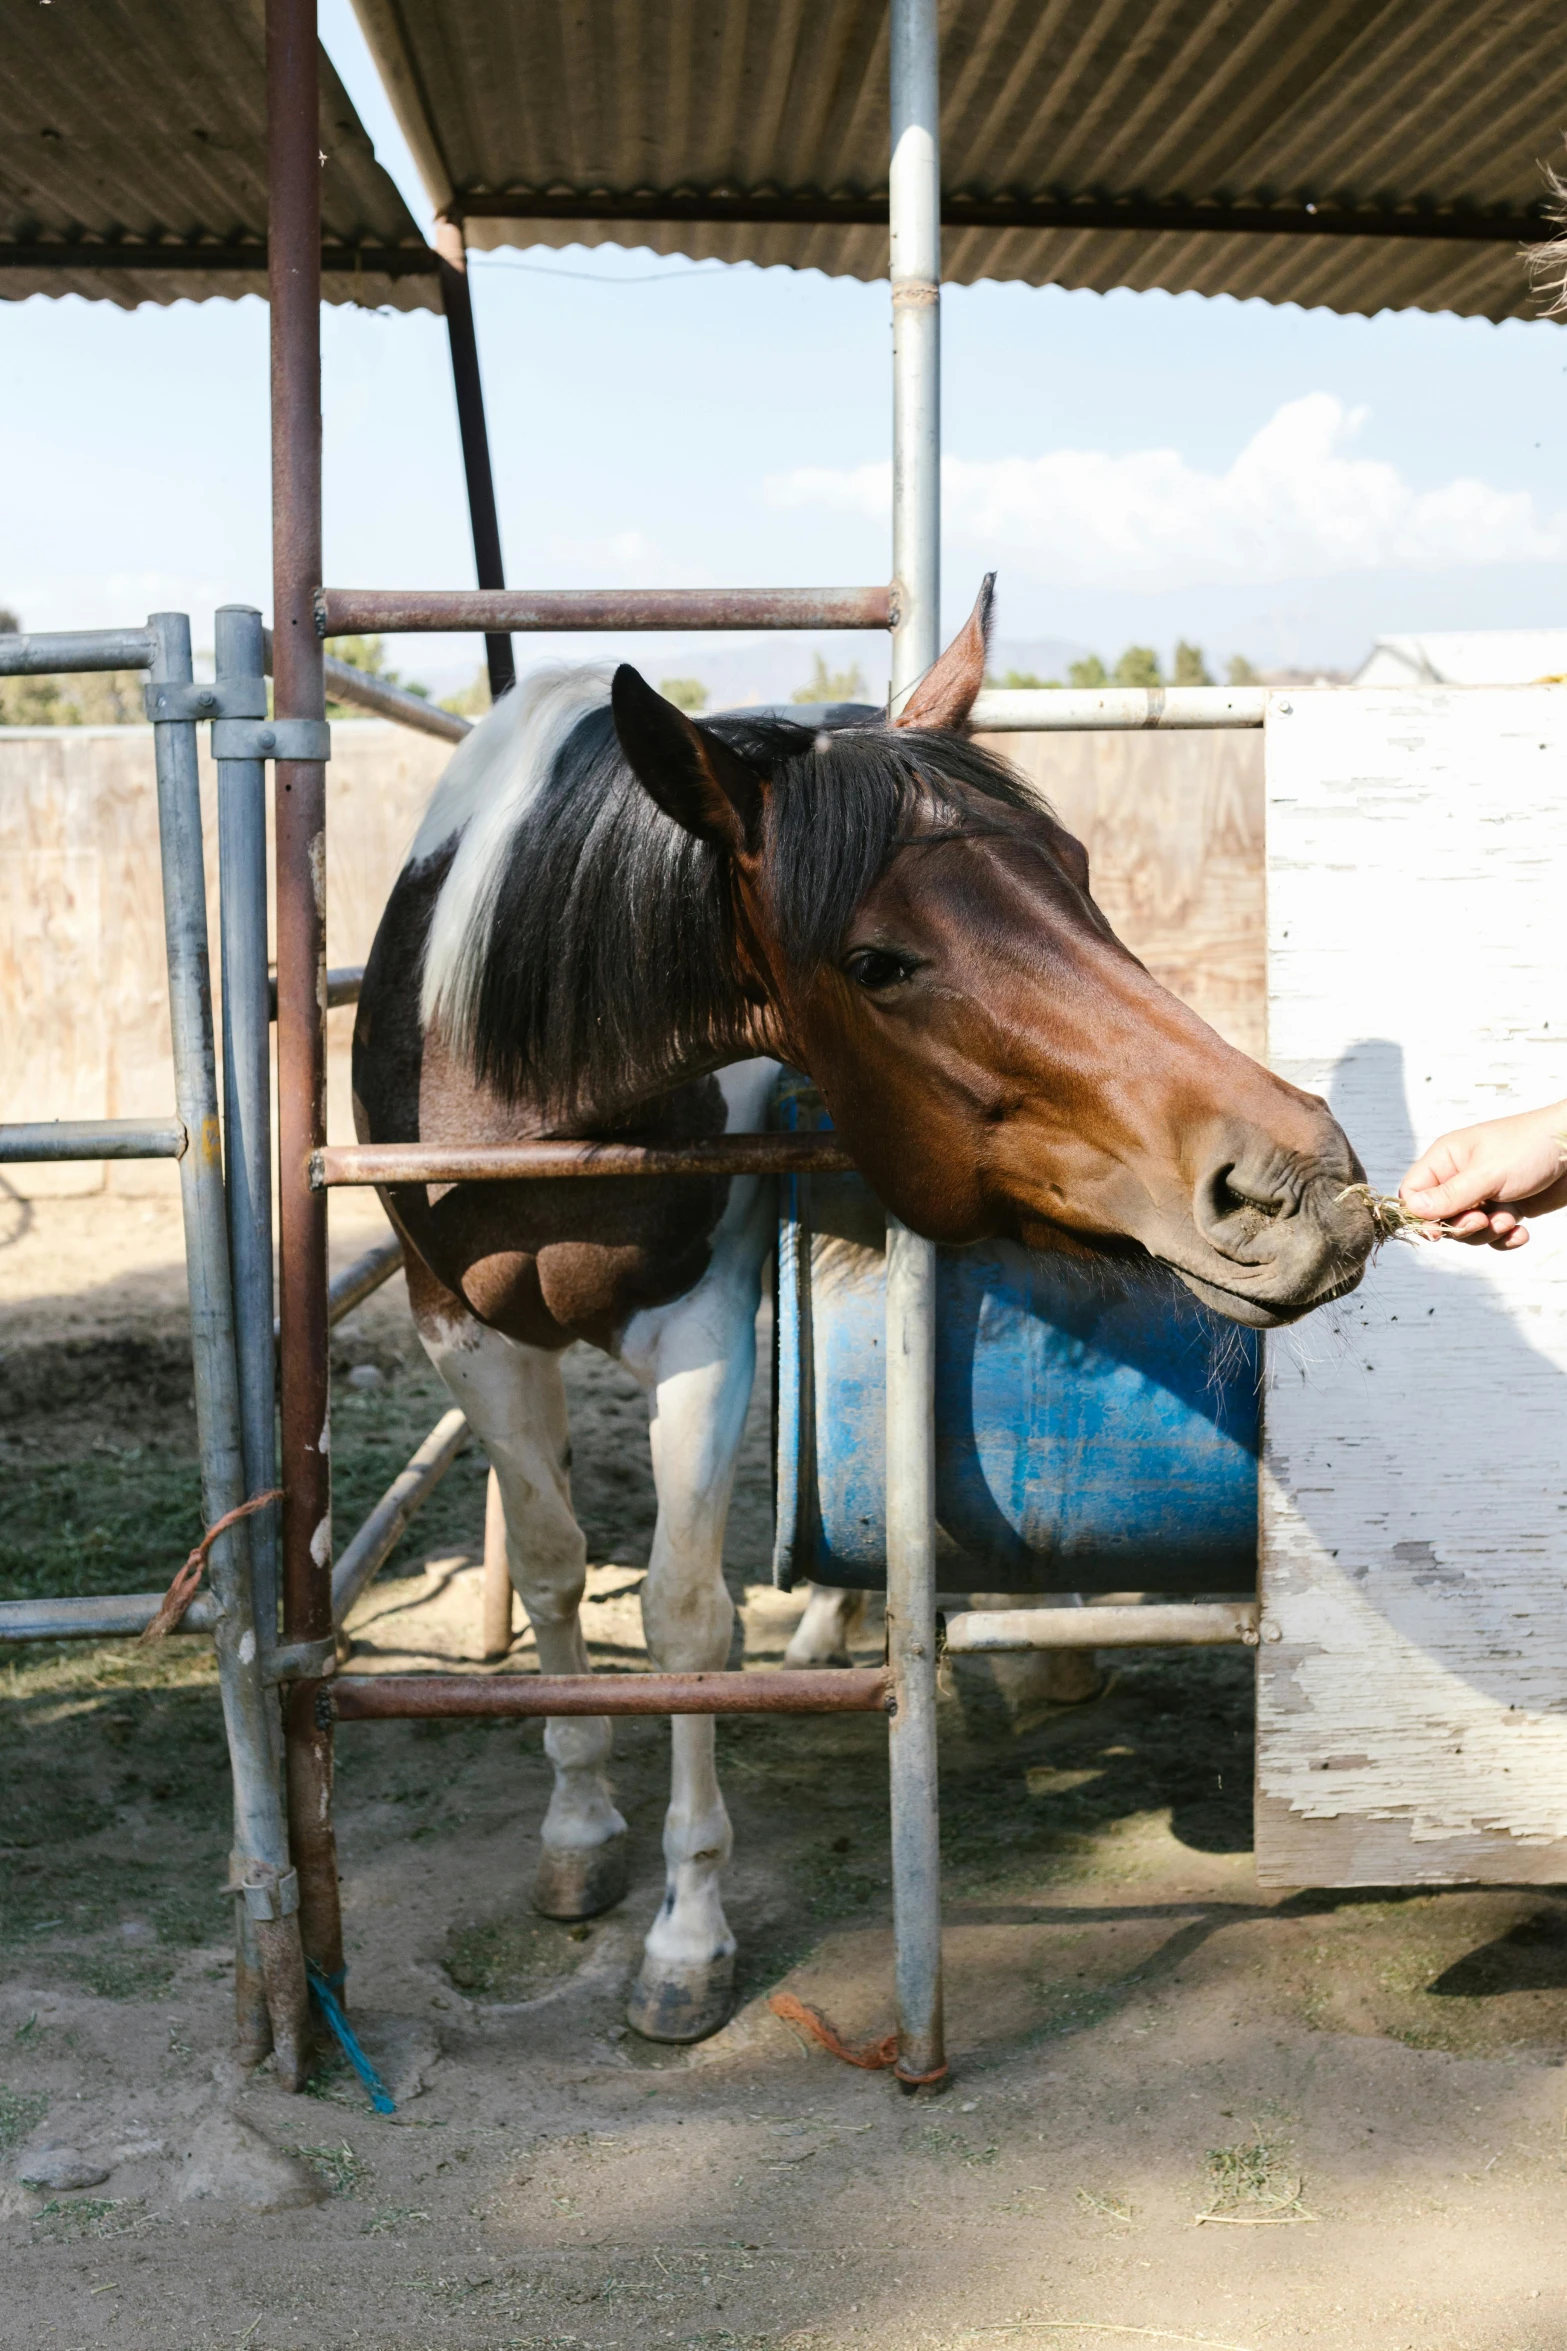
(324, 1990)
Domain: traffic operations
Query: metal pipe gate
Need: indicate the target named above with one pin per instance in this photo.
(304, 613)
(270, 1986)
(287, 1912)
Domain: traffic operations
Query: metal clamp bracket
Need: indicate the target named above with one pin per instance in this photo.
(277, 1898)
(225, 698)
(277, 738)
(300, 1661)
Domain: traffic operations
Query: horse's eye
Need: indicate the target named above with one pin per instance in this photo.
(876, 968)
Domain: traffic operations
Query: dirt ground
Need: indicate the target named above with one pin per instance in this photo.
(1181, 2111)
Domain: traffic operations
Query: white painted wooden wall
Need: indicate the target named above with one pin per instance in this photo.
(1413, 1671)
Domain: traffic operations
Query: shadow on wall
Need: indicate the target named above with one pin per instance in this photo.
(1433, 1335)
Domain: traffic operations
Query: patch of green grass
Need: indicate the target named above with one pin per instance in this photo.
(340, 2171)
(90, 2216)
(512, 1957)
(333, 2079)
(19, 2111)
(1252, 2178)
(117, 1975)
(838, 1889)
(1171, 1737)
(1114, 2208)
(953, 2147)
(391, 2219)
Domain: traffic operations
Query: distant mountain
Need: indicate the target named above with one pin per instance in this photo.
(740, 671)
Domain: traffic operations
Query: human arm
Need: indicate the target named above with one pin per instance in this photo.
(1479, 1181)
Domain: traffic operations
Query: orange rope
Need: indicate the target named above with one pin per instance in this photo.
(182, 1591)
(871, 2055)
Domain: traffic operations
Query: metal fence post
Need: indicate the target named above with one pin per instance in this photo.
(265, 1886)
(911, 1652)
(914, 198)
(915, 219)
(247, 1097)
(294, 287)
(468, 385)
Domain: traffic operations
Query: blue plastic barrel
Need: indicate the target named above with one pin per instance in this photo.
(1096, 1430)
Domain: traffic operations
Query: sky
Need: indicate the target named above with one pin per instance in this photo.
(1135, 467)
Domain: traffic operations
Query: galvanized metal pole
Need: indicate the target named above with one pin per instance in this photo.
(911, 1653)
(915, 195)
(266, 1886)
(914, 188)
(247, 1096)
(468, 384)
(294, 284)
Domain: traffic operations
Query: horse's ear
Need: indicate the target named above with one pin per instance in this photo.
(693, 775)
(945, 694)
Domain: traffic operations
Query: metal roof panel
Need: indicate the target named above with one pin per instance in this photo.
(1336, 132)
(133, 162)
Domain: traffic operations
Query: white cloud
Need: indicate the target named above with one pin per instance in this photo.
(1293, 505)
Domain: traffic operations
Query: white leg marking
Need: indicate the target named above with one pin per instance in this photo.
(832, 1619)
(698, 1355)
(516, 1403)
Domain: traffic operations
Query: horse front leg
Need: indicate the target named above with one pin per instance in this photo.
(833, 1619)
(701, 1359)
(515, 1400)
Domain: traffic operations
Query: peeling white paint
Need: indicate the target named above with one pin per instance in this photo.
(247, 1648)
(321, 1542)
(1413, 1709)
(324, 1441)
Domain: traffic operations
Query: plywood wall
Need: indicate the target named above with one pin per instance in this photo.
(1173, 825)
(1413, 1668)
(84, 1025)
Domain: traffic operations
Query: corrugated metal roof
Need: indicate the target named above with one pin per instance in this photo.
(1355, 154)
(127, 124)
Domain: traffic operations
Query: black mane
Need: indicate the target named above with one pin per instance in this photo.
(610, 968)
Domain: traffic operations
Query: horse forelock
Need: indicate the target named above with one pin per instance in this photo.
(583, 953)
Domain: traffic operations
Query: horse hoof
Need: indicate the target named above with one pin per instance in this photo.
(671, 2003)
(578, 1881)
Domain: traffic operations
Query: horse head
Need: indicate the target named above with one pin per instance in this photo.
(917, 932)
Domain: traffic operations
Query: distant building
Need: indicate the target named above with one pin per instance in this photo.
(1467, 657)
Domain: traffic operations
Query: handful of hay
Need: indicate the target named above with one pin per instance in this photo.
(1390, 1219)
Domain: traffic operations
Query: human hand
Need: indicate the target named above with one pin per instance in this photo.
(1479, 1181)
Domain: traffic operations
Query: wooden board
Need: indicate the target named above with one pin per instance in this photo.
(84, 1023)
(1413, 1670)
(1174, 832)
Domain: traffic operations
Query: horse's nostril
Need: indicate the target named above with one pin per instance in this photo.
(1230, 1201)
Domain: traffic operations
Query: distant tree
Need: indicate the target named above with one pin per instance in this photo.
(96, 698)
(830, 685)
(685, 693)
(1239, 672)
(369, 654)
(1189, 669)
(1087, 673)
(1021, 681)
(36, 702)
(1139, 666)
(472, 700)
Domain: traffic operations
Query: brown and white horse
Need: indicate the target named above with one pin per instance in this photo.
(617, 921)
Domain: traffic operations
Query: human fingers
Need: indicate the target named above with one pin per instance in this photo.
(1441, 1200)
